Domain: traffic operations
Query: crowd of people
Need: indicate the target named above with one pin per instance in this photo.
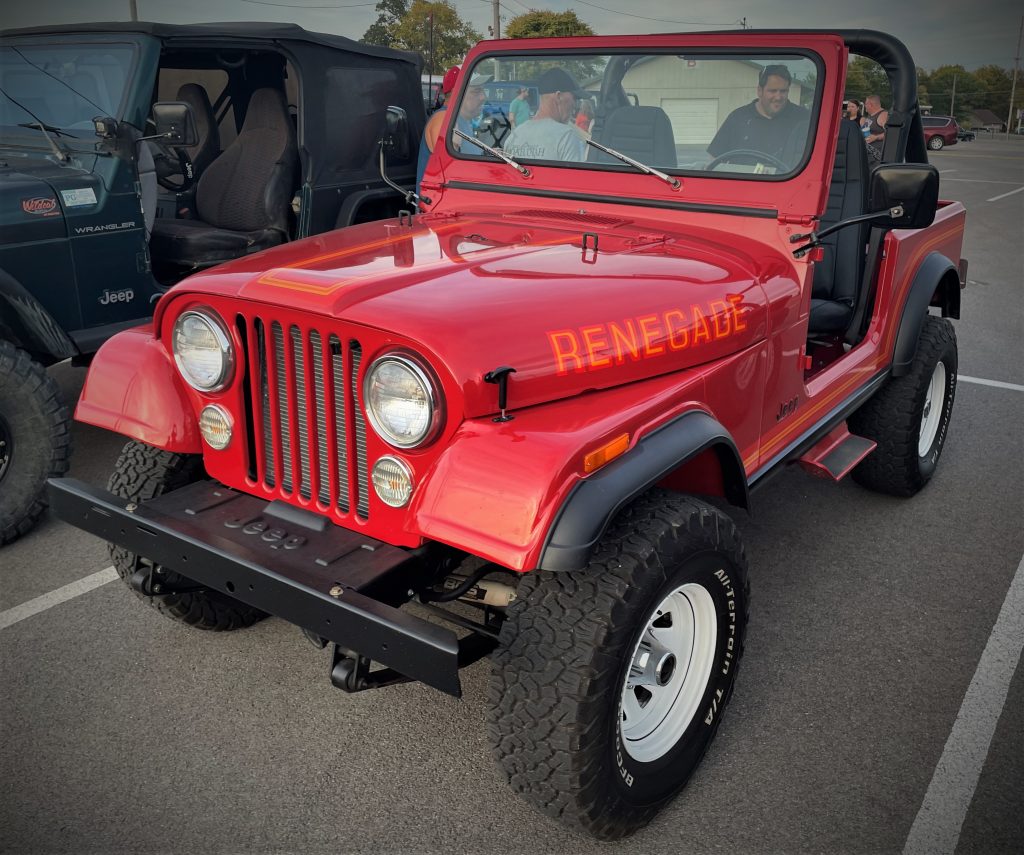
(871, 118)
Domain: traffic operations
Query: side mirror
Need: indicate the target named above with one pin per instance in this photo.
(396, 132)
(175, 123)
(912, 188)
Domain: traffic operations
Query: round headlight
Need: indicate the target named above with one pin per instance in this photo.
(392, 481)
(401, 401)
(202, 351)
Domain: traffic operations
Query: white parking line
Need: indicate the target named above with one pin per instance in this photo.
(936, 828)
(982, 180)
(997, 198)
(999, 384)
(55, 598)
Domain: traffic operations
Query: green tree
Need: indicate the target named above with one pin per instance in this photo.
(866, 77)
(437, 32)
(542, 25)
(382, 31)
(940, 88)
(995, 84)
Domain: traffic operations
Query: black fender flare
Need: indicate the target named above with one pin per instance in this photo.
(594, 501)
(935, 274)
(26, 324)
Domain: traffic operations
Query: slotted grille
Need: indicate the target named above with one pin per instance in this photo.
(304, 400)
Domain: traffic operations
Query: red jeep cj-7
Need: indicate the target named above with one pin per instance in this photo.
(514, 399)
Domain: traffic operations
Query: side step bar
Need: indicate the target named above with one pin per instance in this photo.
(836, 453)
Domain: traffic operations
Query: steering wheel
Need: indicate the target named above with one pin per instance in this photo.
(748, 154)
(496, 126)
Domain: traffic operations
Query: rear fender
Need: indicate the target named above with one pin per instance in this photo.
(133, 388)
(936, 282)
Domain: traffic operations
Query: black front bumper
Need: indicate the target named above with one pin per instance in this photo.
(286, 562)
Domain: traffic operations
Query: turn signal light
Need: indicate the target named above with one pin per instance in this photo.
(605, 454)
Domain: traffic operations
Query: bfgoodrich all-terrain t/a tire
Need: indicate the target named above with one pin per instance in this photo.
(909, 416)
(609, 683)
(35, 440)
(142, 473)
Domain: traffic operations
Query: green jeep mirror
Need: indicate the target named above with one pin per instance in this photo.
(175, 124)
(396, 132)
(907, 192)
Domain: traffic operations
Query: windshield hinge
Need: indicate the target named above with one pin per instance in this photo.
(796, 219)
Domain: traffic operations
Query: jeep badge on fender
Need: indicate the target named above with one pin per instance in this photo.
(534, 396)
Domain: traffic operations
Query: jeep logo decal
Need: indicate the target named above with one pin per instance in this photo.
(125, 295)
(40, 205)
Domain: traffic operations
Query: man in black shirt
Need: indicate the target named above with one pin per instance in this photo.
(766, 124)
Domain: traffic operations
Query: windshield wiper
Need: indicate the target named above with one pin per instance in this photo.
(50, 128)
(647, 170)
(498, 153)
(62, 154)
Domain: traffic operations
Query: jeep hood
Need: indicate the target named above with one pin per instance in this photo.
(574, 305)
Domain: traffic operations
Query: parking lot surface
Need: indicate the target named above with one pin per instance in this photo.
(879, 708)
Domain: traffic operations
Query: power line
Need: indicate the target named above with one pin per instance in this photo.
(301, 6)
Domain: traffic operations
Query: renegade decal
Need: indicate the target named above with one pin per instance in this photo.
(601, 345)
(41, 206)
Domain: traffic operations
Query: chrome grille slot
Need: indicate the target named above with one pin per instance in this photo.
(323, 465)
(340, 422)
(362, 468)
(304, 399)
(281, 410)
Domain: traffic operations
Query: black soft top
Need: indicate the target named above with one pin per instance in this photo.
(245, 31)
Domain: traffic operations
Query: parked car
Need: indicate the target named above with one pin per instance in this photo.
(939, 131)
(101, 213)
(964, 134)
(522, 399)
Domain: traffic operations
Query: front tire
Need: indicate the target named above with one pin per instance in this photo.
(35, 440)
(143, 473)
(909, 416)
(609, 683)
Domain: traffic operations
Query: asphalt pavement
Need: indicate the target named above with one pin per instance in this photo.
(881, 640)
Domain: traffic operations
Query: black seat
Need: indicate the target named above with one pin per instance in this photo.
(837, 276)
(242, 199)
(643, 133)
(207, 147)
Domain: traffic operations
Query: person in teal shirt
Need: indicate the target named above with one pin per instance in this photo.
(519, 109)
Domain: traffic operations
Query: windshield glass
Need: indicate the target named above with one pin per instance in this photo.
(743, 113)
(64, 86)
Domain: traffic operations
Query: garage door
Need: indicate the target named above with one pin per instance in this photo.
(694, 120)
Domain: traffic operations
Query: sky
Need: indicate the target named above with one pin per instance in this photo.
(971, 33)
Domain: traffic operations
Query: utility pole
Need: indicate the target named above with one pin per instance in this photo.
(952, 99)
(496, 5)
(133, 10)
(1013, 88)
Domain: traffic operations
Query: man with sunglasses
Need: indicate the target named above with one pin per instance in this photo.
(767, 123)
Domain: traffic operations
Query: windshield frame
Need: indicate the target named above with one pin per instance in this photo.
(721, 51)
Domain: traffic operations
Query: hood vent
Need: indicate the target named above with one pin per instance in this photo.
(568, 217)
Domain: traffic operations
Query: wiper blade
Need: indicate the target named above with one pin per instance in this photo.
(674, 183)
(49, 128)
(62, 154)
(498, 153)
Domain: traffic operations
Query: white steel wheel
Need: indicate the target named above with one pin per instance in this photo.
(931, 415)
(669, 673)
